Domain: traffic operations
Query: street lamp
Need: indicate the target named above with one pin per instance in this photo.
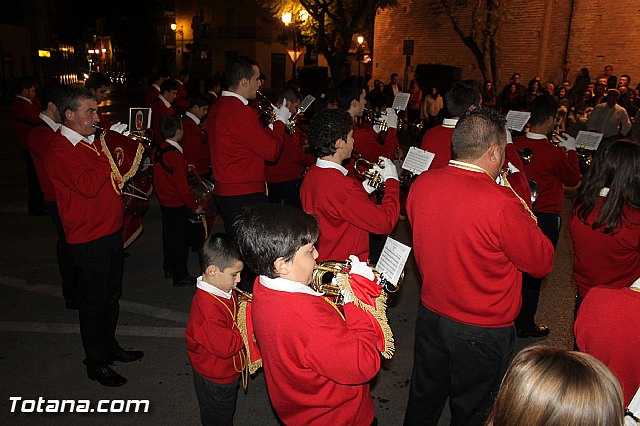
(360, 52)
(179, 31)
(287, 18)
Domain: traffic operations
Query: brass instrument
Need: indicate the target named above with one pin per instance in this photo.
(246, 295)
(585, 155)
(142, 138)
(324, 272)
(402, 123)
(376, 118)
(525, 155)
(534, 189)
(375, 178)
(265, 107)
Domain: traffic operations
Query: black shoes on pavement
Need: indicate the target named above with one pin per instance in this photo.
(107, 377)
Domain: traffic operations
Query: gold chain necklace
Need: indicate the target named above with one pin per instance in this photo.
(503, 175)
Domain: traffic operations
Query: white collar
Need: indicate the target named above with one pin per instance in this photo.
(604, 192)
(213, 93)
(75, 137)
(179, 81)
(174, 144)
(450, 123)
(54, 126)
(26, 99)
(326, 164)
(287, 286)
(164, 101)
(532, 135)
(209, 288)
(156, 87)
(193, 117)
(235, 95)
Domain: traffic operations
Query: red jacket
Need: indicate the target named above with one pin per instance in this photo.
(611, 260)
(194, 145)
(39, 142)
(172, 185)
(292, 161)
(437, 140)
(607, 328)
(471, 240)
(181, 102)
(366, 143)
(317, 365)
(86, 196)
(158, 111)
(346, 214)
(551, 168)
(213, 338)
(23, 116)
(239, 146)
(151, 96)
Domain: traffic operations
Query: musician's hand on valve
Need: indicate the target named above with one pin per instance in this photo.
(567, 141)
(389, 171)
(118, 127)
(391, 118)
(283, 114)
(360, 268)
(367, 187)
(347, 296)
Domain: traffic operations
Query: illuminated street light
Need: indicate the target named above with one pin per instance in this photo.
(286, 18)
(174, 26)
(303, 15)
(360, 39)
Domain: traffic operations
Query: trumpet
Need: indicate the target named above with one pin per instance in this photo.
(525, 155)
(265, 107)
(375, 178)
(375, 118)
(142, 138)
(243, 293)
(409, 124)
(324, 272)
(585, 155)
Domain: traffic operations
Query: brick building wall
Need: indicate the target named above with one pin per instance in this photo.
(533, 43)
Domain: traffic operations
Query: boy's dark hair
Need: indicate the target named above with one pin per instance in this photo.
(52, 93)
(161, 73)
(24, 82)
(198, 99)
(97, 80)
(461, 96)
(239, 67)
(476, 131)
(327, 127)
(268, 232)
(350, 89)
(543, 107)
(70, 99)
(169, 125)
(168, 85)
(220, 251)
(289, 93)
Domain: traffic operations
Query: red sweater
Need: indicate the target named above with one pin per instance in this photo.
(158, 110)
(611, 260)
(181, 102)
(151, 96)
(317, 365)
(607, 328)
(292, 161)
(437, 140)
(551, 168)
(346, 214)
(39, 142)
(89, 206)
(173, 189)
(471, 239)
(196, 151)
(23, 116)
(365, 142)
(213, 338)
(239, 147)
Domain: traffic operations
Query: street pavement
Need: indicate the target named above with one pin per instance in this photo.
(41, 353)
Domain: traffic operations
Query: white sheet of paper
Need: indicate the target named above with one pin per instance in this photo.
(306, 103)
(417, 160)
(400, 101)
(588, 140)
(517, 119)
(392, 260)
(634, 407)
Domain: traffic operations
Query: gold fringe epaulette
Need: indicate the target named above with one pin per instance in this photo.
(242, 326)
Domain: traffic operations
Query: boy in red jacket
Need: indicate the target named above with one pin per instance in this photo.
(213, 339)
(317, 362)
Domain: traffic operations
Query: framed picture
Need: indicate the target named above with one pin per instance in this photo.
(139, 119)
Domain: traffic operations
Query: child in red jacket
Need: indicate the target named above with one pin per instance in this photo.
(214, 342)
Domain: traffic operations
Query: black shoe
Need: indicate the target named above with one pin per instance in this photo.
(167, 274)
(107, 377)
(127, 356)
(184, 282)
(535, 331)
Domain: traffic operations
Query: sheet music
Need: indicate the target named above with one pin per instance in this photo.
(400, 101)
(417, 160)
(392, 260)
(306, 103)
(634, 407)
(588, 140)
(517, 119)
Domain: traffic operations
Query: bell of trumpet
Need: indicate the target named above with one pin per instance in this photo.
(367, 171)
(324, 272)
(525, 155)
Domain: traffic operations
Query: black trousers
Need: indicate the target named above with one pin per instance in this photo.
(217, 402)
(461, 362)
(231, 208)
(287, 193)
(99, 265)
(549, 224)
(175, 240)
(36, 201)
(67, 268)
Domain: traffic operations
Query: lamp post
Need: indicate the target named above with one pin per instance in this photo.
(360, 52)
(179, 31)
(287, 18)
